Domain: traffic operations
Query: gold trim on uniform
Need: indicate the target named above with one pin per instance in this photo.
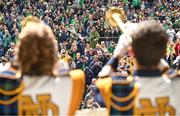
(126, 98)
(10, 101)
(105, 87)
(12, 92)
(17, 91)
(78, 79)
(123, 108)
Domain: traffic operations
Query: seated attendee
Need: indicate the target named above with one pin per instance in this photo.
(103, 47)
(45, 93)
(78, 61)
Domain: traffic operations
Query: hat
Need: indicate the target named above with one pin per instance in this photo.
(102, 42)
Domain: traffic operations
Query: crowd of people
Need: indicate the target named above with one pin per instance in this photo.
(85, 39)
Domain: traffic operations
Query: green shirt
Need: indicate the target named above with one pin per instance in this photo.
(6, 41)
(136, 3)
(111, 49)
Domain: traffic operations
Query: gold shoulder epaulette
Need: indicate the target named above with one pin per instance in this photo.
(17, 92)
(130, 96)
(78, 78)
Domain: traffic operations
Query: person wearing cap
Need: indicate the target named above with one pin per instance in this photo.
(103, 47)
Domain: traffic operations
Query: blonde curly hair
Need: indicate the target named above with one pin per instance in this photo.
(28, 19)
(37, 49)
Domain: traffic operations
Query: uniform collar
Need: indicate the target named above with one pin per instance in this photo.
(147, 73)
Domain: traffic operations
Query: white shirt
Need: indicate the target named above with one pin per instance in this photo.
(171, 33)
(178, 34)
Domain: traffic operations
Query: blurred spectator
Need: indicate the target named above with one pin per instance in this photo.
(177, 47)
(71, 63)
(112, 47)
(90, 103)
(74, 50)
(171, 32)
(94, 37)
(92, 84)
(96, 68)
(103, 47)
(89, 76)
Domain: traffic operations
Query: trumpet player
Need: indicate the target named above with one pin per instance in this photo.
(146, 92)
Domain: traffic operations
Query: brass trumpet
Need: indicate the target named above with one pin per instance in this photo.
(116, 18)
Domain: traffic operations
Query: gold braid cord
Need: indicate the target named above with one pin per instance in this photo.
(124, 99)
(17, 91)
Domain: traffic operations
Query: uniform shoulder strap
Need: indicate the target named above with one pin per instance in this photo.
(11, 86)
(105, 86)
(78, 79)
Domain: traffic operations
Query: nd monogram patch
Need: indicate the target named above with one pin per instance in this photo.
(162, 107)
(44, 104)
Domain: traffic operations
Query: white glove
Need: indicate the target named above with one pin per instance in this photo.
(124, 40)
(122, 46)
(163, 65)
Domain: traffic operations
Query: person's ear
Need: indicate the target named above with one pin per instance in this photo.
(131, 51)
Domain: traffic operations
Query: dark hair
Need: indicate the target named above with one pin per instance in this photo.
(149, 43)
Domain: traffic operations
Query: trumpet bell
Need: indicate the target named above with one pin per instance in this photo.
(115, 10)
